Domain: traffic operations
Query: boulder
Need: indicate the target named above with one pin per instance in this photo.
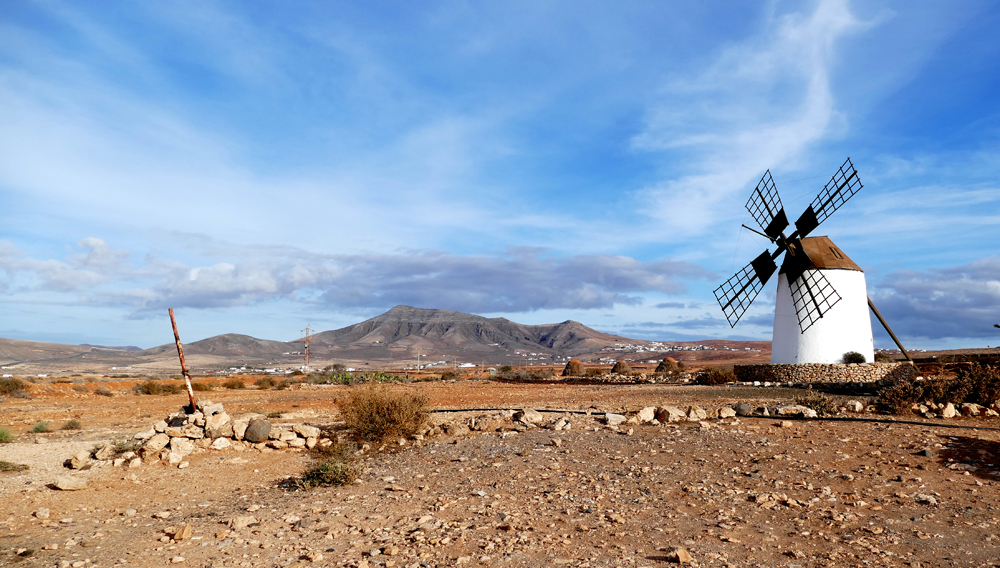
(529, 416)
(647, 414)
(257, 431)
(743, 409)
(182, 446)
(155, 444)
(561, 424)
(106, 452)
(614, 419)
(489, 423)
(727, 412)
(160, 426)
(670, 414)
(209, 409)
(456, 429)
(69, 483)
(971, 409)
(854, 405)
(80, 460)
(796, 410)
(306, 431)
(240, 428)
(696, 413)
(145, 434)
(949, 411)
(221, 444)
(219, 425)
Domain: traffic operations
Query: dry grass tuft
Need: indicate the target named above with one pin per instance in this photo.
(377, 414)
(336, 465)
(156, 387)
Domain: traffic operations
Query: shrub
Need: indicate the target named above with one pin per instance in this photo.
(682, 366)
(667, 365)
(126, 446)
(854, 357)
(12, 387)
(899, 397)
(102, 391)
(41, 428)
(6, 436)
(824, 405)
(337, 465)
(72, 425)
(202, 387)
(156, 387)
(265, 383)
(234, 384)
(593, 372)
(376, 414)
(450, 376)
(979, 384)
(10, 466)
(621, 368)
(574, 368)
(881, 357)
(287, 383)
(506, 368)
(717, 376)
(80, 388)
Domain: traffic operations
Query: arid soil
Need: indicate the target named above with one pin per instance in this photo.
(733, 492)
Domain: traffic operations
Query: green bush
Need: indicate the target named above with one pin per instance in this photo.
(717, 376)
(376, 414)
(506, 368)
(854, 357)
(234, 384)
(6, 436)
(41, 428)
(573, 368)
(12, 387)
(156, 388)
(72, 425)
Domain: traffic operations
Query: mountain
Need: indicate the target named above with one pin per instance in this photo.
(405, 329)
(227, 345)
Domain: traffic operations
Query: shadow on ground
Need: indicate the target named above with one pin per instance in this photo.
(979, 457)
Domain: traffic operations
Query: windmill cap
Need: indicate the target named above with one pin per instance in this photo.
(824, 255)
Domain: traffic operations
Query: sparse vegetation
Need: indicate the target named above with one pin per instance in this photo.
(41, 428)
(377, 414)
(73, 424)
(621, 368)
(234, 384)
(593, 372)
(81, 388)
(717, 376)
(275, 414)
(899, 397)
(336, 465)
(881, 357)
(450, 376)
(6, 466)
(979, 384)
(667, 365)
(156, 388)
(12, 387)
(202, 387)
(265, 383)
(6, 436)
(573, 368)
(506, 368)
(854, 357)
(103, 391)
(824, 405)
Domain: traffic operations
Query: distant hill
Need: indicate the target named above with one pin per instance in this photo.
(227, 345)
(113, 348)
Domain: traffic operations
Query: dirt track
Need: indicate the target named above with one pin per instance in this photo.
(736, 492)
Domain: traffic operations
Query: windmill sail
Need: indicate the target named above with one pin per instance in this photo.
(812, 296)
(737, 293)
(842, 186)
(765, 207)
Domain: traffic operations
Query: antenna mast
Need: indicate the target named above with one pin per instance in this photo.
(305, 340)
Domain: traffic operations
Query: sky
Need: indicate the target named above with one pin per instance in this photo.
(260, 166)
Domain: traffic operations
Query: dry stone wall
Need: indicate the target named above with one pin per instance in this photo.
(826, 373)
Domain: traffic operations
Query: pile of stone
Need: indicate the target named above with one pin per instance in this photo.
(929, 409)
(825, 373)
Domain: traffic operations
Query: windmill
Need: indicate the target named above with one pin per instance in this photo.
(815, 277)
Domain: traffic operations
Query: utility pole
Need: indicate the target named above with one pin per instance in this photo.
(305, 340)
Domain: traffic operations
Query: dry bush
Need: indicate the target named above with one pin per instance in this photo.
(621, 368)
(73, 424)
(265, 383)
(12, 387)
(156, 387)
(980, 384)
(667, 365)
(717, 376)
(450, 376)
(883, 358)
(336, 465)
(11, 466)
(854, 357)
(202, 387)
(234, 384)
(376, 414)
(102, 391)
(81, 388)
(899, 397)
(824, 405)
(593, 372)
(573, 368)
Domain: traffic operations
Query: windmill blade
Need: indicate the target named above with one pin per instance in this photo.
(812, 296)
(737, 293)
(842, 186)
(765, 207)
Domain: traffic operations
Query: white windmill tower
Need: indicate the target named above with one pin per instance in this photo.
(815, 276)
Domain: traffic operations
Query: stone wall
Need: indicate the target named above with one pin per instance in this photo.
(826, 373)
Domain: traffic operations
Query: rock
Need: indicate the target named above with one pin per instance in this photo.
(489, 423)
(647, 414)
(682, 556)
(311, 442)
(155, 444)
(614, 419)
(208, 409)
(257, 431)
(182, 533)
(743, 409)
(221, 444)
(174, 458)
(183, 465)
(925, 499)
(301, 442)
(306, 431)
(70, 483)
(177, 560)
(239, 523)
(696, 413)
(284, 436)
(456, 429)
(529, 416)
(726, 412)
(971, 409)
(927, 452)
(556, 442)
(949, 411)
(561, 424)
(796, 410)
(670, 414)
(130, 512)
(182, 446)
(145, 435)
(42, 513)
(992, 413)
(854, 406)
(277, 444)
(80, 460)
(106, 452)
(219, 425)
(193, 432)
(240, 428)
(787, 424)
(134, 463)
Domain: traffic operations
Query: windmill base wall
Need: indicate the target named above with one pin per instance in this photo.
(845, 327)
(826, 373)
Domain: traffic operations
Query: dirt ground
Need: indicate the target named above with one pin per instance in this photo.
(733, 492)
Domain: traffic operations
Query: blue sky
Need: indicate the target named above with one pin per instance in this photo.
(259, 166)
